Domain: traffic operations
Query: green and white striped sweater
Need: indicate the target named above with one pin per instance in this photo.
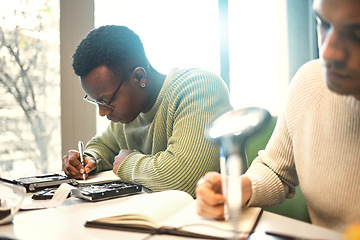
(174, 153)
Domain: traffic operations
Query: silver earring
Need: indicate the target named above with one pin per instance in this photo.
(143, 85)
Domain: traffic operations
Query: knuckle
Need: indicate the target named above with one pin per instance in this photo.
(199, 190)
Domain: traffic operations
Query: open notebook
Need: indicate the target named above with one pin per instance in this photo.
(173, 212)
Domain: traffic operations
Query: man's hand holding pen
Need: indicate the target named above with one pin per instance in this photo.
(72, 164)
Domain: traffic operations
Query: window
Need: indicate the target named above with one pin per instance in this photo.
(29, 87)
(258, 53)
(267, 44)
(186, 34)
(269, 41)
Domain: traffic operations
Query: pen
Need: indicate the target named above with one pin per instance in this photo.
(223, 180)
(81, 151)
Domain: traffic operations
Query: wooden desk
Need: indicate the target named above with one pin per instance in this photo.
(67, 222)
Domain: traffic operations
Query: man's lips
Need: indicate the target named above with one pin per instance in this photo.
(116, 120)
(333, 74)
(111, 119)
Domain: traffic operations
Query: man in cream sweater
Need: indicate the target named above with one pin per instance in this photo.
(316, 142)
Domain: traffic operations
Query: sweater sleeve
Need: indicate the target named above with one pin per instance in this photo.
(273, 173)
(189, 105)
(104, 148)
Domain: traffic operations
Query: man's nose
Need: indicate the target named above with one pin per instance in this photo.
(333, 47)
(103, 111)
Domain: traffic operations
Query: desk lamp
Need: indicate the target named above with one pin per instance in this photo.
(231, 130)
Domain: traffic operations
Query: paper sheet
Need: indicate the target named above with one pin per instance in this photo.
(59, 197)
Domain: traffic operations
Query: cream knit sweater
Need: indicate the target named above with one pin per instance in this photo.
(174, 153)
(316, 144)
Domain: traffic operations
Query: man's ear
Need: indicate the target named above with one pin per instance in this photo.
(140, 75)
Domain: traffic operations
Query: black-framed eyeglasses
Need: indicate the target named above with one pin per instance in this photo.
(108, 103)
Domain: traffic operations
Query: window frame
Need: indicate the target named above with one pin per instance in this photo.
(78, 118)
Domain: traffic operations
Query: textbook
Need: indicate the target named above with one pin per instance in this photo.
(173, 212)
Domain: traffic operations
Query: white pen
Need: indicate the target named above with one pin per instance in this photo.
(81, 151)
(223, 172)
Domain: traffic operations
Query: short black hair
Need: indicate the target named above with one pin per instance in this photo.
(116, 47)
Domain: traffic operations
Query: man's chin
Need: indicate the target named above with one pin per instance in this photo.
(342, 92)
(113, 119)
(334, 87)
(123, 121)
(357, 97)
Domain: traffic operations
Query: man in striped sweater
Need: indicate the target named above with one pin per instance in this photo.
(156, 134)
(316, 142)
